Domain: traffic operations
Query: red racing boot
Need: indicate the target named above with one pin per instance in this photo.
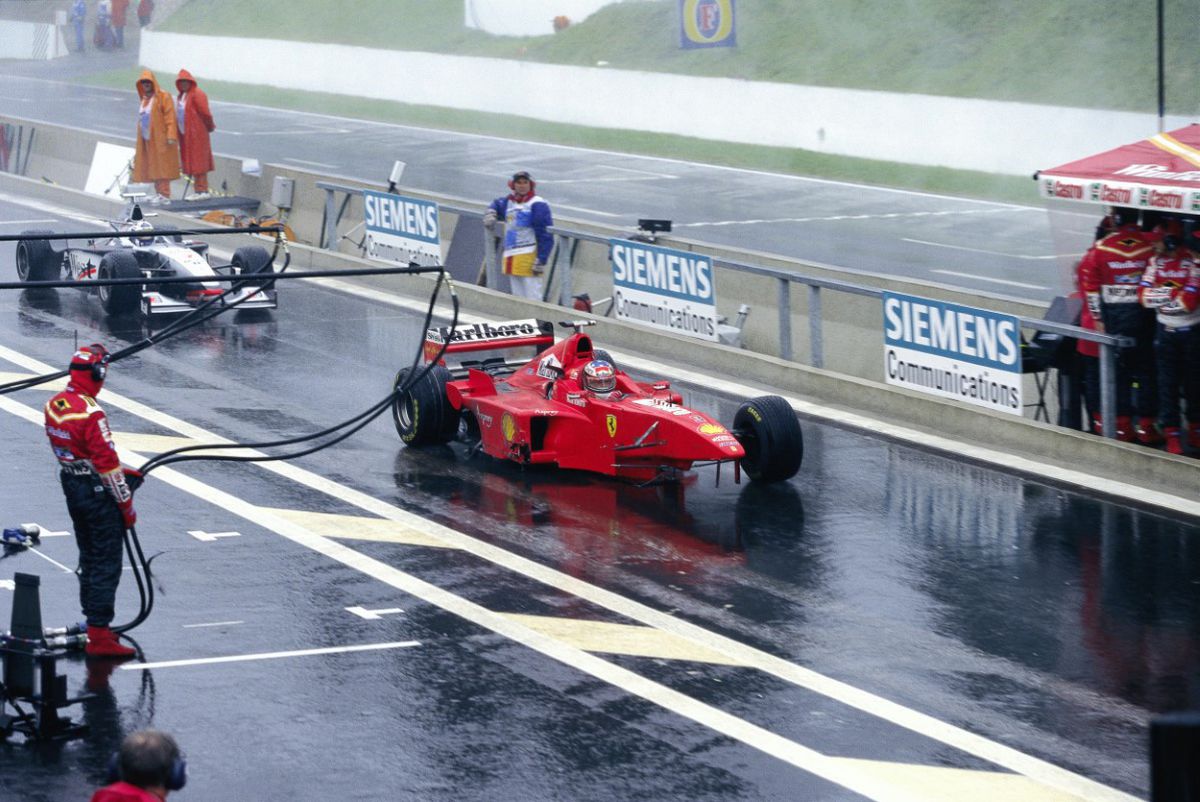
(102, 642)
(1147, 432)
(1174, 445)
(1125, 431)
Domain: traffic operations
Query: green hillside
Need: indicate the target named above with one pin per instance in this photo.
(1092, 53)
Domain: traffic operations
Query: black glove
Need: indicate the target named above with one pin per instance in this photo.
(133, 478)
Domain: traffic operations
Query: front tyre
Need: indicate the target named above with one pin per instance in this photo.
(36, 260)
(254, 261)
(421, 410)
(768, 430)
(121, 299)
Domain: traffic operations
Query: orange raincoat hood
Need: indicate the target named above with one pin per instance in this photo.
(146, 76)
(184, 75)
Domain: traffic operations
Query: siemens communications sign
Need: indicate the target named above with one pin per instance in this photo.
(953, 351)
(402, 230)
(664, 288)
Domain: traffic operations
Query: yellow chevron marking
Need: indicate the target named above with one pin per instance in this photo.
(357, 527)
(637, 641)
(53, 386)
(940, 784)
(1172, 145)
(158, 443)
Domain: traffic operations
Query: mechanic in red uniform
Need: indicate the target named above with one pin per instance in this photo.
(1171, 287)
(98, 495)
(1109, 275)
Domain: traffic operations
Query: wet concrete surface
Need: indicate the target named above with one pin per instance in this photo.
(1046, 621)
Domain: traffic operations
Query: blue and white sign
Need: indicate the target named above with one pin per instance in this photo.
(402, 230)
(664, 288)
(953, 351)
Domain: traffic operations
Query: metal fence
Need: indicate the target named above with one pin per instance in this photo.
(567, 239)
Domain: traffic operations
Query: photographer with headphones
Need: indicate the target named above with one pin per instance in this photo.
(99, 493)
(147, 768)
(527, 243)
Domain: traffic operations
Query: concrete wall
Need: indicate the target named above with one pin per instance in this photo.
(989, 136)
(529, 17)
(1118, 461)
(31, 40)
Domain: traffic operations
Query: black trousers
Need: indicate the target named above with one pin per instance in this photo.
(100, 534)
(1178, 369)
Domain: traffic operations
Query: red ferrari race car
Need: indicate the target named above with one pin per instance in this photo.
(570, 406)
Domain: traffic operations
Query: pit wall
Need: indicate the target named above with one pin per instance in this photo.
(960, 133)
(58, 169)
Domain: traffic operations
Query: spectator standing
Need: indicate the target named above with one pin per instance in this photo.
(104, 38)
(1171, 287)
(195, 122)
(527, 242)
(97, 490)
(78, 17)
(144, 9)
(1109, 275)
(157, 156)
(147, 768)
(120, 8)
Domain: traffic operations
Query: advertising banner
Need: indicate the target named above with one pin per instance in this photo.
(952, 351)
(402, 230)
(707, 23)
(664, 288)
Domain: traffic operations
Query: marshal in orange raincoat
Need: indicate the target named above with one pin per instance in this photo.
(195, 149)
(157, 156)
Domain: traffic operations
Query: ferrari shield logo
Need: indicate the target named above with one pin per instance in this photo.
(611, 422)
(508, 427)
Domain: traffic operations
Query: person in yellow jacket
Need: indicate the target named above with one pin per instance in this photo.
(157, 155)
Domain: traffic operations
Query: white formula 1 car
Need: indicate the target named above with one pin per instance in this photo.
(131, 253)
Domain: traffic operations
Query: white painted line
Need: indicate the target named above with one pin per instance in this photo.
(241, 658)
(373, 615)
(840, 217)
(978, 250)
(305, 161)
(796, 754)
(26, 222)
(209, 537)
(52, 560)
(8, 584)
(586, 210)
(213, 624)
(989, 278)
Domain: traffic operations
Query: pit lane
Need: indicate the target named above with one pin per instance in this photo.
(1013, 609)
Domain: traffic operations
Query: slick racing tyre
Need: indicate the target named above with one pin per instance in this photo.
(36, 260)
(252, 260)
(120, 299)
(769, 432)
(422, 412)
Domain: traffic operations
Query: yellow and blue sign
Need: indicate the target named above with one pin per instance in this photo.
(707, 23)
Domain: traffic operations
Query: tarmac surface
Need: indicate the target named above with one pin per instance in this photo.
(376, 622)
(1018, 251)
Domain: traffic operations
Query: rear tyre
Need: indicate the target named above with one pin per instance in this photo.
(253, 260)
(422, 412)
(768, 430)
(121, 299)
(36, 260)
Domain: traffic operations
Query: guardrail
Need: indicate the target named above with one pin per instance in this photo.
(335, 208)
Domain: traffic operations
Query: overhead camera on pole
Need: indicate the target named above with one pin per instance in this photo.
(29, 680)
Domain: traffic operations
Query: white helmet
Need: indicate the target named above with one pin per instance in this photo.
(141, 225)
(599, 377)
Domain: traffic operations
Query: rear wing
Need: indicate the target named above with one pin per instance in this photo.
(509, 344)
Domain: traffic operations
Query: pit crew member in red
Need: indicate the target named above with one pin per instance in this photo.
(98, 496)
(1109, 276)
(1171, 287)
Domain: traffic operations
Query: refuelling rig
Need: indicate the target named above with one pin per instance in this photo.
(29, 653)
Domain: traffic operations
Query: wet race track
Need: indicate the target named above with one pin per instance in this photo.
(401, 624)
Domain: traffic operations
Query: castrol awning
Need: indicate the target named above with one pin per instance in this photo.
(1162, 172)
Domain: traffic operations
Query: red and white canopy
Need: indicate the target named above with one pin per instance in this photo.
(1162, 172)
